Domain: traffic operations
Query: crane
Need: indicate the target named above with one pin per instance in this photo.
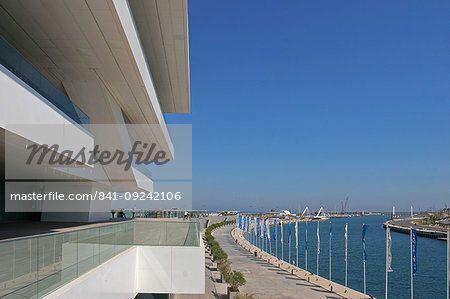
(344, 206)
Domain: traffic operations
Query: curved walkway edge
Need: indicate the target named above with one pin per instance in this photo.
(404, 225)
(321, 282)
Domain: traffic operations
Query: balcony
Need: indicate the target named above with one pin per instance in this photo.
(34, 267)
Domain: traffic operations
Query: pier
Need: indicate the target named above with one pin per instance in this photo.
(404, 225)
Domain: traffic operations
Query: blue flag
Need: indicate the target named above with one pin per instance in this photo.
(248, 224)
(257, 227)
(265, 229)
(331, 241)
(240, 221)
(306, 235)
(275, 228)
(414, 250)
(364, 229)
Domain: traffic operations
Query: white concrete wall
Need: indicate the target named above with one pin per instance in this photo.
(141, 269)
(175, 270)
(114, 279)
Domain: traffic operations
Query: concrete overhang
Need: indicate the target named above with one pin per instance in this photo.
(163, 31)
(29, 118)
(80, 44)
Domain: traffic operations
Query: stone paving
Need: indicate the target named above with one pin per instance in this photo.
(269, 277)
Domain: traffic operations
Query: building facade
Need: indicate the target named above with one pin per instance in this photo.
(83, 74)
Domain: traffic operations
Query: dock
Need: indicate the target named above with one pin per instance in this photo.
(404, 225)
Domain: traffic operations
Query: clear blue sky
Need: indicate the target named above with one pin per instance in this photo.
(298, 103)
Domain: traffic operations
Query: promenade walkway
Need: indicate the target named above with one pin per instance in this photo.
(403, 225)
(265, 280)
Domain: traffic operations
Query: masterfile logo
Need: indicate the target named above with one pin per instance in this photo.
(59, 169)
(67, 157)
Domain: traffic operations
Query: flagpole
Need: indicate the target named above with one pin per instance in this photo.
(306, 245)
(257, 232)
(448, 265)
(364, 264)
(260, 232)
(270, 242)
(266, 242)
(346, 255)
(268, 236)
(263, 234)
(318, 246)
(275, 226)
(412, 279)
(330, 252)
(364, 277)
(254, 235)
(387, 249)
(282, 241)
(296, 240)
(289, 242)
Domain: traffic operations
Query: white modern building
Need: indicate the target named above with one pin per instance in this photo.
(76, 73)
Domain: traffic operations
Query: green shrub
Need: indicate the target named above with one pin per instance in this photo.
(220, 255)
(224, 266)
(235, 279)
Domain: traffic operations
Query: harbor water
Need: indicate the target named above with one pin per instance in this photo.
(429, 281)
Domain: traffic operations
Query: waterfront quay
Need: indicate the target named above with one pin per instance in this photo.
(404, 225)
(306, 284)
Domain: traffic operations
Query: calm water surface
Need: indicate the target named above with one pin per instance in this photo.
(429, 281)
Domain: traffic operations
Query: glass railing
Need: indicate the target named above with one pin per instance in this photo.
(166, 233)
(19, 66)
(36, 266)
(137, 213)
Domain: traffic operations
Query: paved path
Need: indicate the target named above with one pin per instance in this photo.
(263, 279)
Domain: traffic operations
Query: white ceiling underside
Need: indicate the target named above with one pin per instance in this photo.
(163, 30)
(79, 42)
